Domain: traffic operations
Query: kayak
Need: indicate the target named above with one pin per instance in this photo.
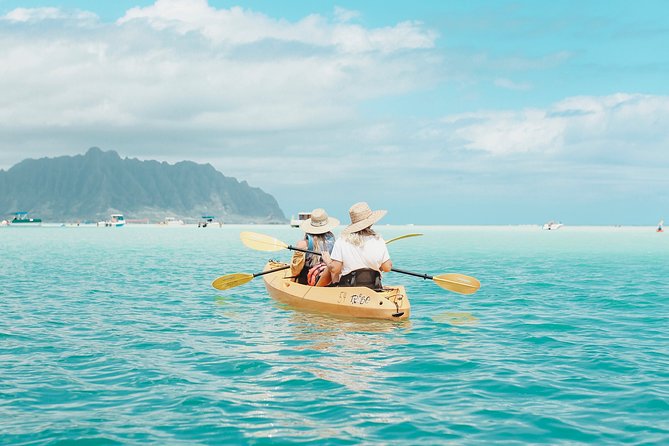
(392, 303)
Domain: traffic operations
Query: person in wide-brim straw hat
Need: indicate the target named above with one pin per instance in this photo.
(319, 222)
(360, 254)
(362, 217)
(307, 268)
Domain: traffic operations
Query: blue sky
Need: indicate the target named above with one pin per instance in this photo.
(467, 112)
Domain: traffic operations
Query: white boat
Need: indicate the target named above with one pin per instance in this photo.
(171, 221)
(209, 222)
(660, 226)
(301, 216)
(116, 221)
(552, 226)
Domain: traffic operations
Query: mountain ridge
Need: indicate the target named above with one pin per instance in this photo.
(93, 185)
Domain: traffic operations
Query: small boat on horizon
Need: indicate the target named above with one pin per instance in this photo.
(552, 226)
(116, 221)
(208, 221)
(21, 219)
(171, 221)
(301, 216)
(660, 226)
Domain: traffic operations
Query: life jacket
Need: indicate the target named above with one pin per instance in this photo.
(315, 273)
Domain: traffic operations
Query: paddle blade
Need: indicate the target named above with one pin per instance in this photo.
(401, 237)
(458, 283)
(261, 242)
(231, 280)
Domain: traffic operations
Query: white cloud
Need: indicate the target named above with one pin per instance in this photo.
(182, 64)
(345, 15)
(27, 15)
(236, 26)
(512, 85)
(600, 126)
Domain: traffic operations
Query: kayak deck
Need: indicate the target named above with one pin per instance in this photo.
(392, 303)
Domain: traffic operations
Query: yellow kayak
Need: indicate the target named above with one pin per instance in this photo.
(392, 303)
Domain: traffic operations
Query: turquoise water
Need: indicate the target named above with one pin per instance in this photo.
(114, 336)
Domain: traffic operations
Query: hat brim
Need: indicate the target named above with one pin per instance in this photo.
(366, 223)
(308, 228)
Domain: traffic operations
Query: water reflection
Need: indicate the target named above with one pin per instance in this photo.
(458, 319)
(352, 352)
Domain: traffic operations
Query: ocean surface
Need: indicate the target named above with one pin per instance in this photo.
(115, 336)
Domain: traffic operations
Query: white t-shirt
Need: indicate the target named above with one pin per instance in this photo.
(372, 254)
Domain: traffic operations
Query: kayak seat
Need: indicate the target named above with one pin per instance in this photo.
(366, 277)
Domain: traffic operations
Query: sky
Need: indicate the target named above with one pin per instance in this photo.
(441, 112)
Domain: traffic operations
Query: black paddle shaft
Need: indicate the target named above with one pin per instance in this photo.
(292, 248)
(271, 271)
(422, 276)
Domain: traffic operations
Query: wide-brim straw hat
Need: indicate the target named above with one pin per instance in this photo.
(319, 222)
(362, 217)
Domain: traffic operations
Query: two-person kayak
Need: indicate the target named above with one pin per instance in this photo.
(392, 303)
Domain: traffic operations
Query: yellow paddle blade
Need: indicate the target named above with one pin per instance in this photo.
(231, 280)
(401, 237)
(458, 283)
(261, 242)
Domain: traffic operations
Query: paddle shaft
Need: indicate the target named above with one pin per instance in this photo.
(422, 276)
(292, 248)
(271, 271)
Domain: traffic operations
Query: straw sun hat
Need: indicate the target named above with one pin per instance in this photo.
(362, 217)
(319, 222)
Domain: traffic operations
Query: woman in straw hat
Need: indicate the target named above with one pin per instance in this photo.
(360, 254)
(308, 269)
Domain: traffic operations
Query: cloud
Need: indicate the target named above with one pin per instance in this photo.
(345, 15)
(33, 15)
(236, 26)
(184, 68)
(594, 127)
(511, 85)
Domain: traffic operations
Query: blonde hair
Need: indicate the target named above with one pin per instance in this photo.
(356, 238)
(320, 240)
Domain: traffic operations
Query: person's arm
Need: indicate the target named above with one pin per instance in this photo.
(297, 262)
(334, 266)
(386, 266)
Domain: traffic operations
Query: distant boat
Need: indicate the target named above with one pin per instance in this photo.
(116, 221)
(552, 226)
(301, 216)
(21, 219)
(208, 221)
(171, 221)
(659, 226)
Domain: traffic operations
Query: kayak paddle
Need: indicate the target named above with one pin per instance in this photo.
(232, 280)
(458, 283)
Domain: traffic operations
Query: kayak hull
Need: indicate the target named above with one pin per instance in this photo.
(392, 303)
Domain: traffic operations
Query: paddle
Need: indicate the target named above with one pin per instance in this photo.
(261, 242)
(401, 237)
(232, 280)
(458, 283)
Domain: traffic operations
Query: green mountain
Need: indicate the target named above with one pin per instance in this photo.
(94, 185)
